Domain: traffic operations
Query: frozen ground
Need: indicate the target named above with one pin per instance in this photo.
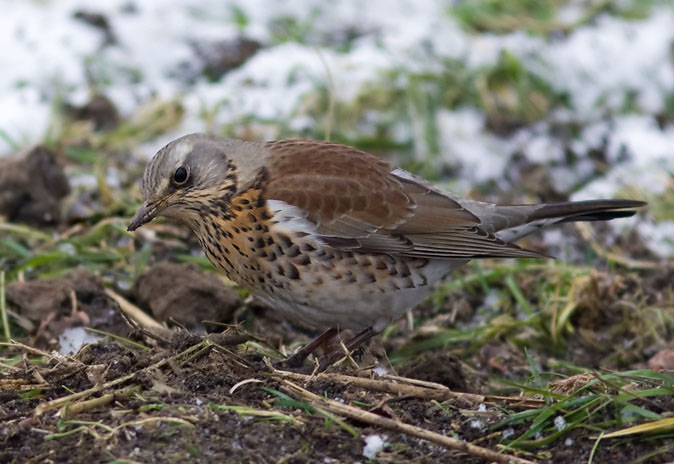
(617, 76)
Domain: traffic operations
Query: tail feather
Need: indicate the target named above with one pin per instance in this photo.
(555, 213)
(591, 210)
(601, 216)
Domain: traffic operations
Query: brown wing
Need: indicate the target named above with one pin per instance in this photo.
(358, 204)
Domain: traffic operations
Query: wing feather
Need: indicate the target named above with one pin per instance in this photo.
(359, 202)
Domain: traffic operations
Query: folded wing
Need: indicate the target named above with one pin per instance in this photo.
(359, 202)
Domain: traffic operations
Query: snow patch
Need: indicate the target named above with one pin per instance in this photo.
(373, 445)
(73, 338)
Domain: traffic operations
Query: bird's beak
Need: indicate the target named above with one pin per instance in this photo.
(147, 212)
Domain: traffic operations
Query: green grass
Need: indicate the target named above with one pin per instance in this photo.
(607, 402)
(28, 250)
(287, 401)
(546, 306)
(542, 17)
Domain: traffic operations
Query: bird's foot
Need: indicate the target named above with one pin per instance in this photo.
(334, 353)
(296, 361)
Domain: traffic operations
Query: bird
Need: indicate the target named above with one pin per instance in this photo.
(332, 237)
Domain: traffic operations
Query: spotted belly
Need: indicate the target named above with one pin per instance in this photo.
(323, 287)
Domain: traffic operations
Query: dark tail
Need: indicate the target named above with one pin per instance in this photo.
(591, 210)
(514, 222)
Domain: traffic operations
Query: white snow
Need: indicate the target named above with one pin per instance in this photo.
(659, 238)
(380, 370)
(476, 424)
(649, 153)
(373, 445)
(509, 432)
(599, 63)
(560, 423)
(73, 338)
(465, 140)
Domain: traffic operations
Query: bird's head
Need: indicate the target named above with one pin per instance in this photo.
(184, 176)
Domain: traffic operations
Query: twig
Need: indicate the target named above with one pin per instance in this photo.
(134, 312)
(352, 412)
(10, 367)
(422, 383)
(81, 406)
(20, 384)
(3, 307)
(347, 356)
(387, 386)
(431, 391)
(29, 349)
(243, 382)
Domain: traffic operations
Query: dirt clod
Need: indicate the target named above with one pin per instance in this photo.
(52, 305)
(185, 294)
(218, 58)
(99, 110)
(32, 187)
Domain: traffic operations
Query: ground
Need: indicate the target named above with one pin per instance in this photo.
(160, 395)
(182, 404)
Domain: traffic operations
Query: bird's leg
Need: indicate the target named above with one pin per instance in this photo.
(336, 353)
(297, 359)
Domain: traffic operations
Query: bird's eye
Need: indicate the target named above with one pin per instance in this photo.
(180, 176)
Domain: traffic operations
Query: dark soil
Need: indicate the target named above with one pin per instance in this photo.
(32, 187)
(173, 415)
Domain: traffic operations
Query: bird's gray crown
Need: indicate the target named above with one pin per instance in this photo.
(205, 156)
